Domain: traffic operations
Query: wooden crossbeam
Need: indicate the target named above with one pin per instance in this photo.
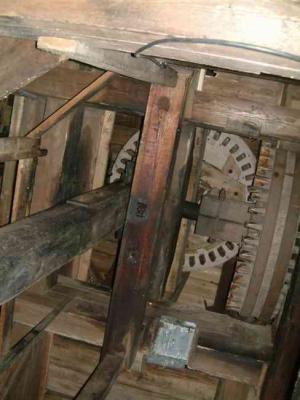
(12, 149)
(21, 63)
(80, 224)
(244, 106)
(116, 61)
(274, 25)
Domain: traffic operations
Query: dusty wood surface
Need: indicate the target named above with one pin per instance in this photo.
(171, 216)
(71, 363)
(226, 366)
(85, 319)
(21, 63)
(43, 251)
(135, 262)
(244, 106)
(116, 61)
(26, 379)
(94, 146)
(270, 23)
(12, 149)
(80, 97)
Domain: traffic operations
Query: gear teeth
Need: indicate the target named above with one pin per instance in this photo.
(255, 227)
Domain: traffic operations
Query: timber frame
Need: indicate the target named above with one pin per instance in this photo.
(57, 205)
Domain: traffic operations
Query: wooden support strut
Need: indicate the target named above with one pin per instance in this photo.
(135, 263)
(26, 170)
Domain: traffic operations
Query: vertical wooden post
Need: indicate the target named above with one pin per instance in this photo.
(95, 141)
(27, 113)
(135, 263)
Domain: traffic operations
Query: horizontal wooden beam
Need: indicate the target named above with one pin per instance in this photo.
(269, 24)
(14, 148)
(226, 365)
(217, 331)
(38, 245)
(111, 60)
(21, 63)
(242, 105)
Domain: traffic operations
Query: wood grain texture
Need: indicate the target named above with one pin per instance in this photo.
(21, 63)
(274, 24)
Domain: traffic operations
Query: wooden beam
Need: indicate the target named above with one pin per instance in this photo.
(216, 331)
(21, 63)
(226, 366)
(140, 235)
(12, 149)
(81, 224)
(274, 25)
(244, 106)
(82, 96)
(120, 62)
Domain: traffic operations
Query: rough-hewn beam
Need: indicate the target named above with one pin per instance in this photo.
(274, 24)
(116, 61)
(21, 63)
(19, 148)
(36, 246)
(246, 106)
(142, 226)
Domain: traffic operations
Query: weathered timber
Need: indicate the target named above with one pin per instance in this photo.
(84, 320)
(43, 251)
(171, 216)
(27, 113)
(273, 24)
(12, 149)
(111, 60)
(20, 63)
(106, 374)
(92, 161)
(231, 105)
(225, 365)
(282, 372)
(80, 97)
(140, 235)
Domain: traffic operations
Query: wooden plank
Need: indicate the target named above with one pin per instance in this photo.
(13, 148)
(73, 361)
(21, 63)
(82, 96)
(116, 61)
(228, 390)
(142, 224)
(226, 366)
(85, 320)
(81, 226)
(27, 113)
(26, 379)
(94, 147)
(228, 102)
(272, 24)
(171, 216)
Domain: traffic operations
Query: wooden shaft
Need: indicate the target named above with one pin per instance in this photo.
(51, 238)
(85, 94)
